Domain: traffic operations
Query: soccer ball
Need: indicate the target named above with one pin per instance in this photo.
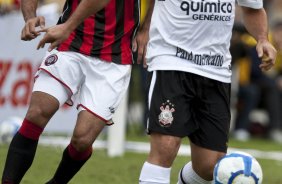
(238, 168)
(8, 128)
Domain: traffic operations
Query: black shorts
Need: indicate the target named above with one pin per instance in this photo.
(184, 104)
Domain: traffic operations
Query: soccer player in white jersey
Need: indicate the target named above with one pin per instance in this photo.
(190, 74)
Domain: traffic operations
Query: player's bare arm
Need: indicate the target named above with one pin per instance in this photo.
(139, 43)
(28, 8)
(57, 34)
(255, 21)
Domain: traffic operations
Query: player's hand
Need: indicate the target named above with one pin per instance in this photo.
(29, 30)
(54, 35)
(139, 45)
(267, 53)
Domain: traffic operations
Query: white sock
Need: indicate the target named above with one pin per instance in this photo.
(188, 176)
(154, 174)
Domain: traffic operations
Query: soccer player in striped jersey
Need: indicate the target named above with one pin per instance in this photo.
(189, 63)
(89, 58)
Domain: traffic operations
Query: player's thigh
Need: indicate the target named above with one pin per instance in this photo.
(164, 149)
(212, 115)
(169, 101)
(204, 160)
(46, 98)
(87, 128)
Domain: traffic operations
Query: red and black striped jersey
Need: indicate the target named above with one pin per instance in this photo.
(107, 34)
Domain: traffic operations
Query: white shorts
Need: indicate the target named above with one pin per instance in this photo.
(95, 85)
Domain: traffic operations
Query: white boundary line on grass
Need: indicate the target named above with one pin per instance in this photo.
(142, 147)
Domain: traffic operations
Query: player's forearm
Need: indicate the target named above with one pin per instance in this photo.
(28, 8)
(84, 10)
(147, 20)
(255, 22)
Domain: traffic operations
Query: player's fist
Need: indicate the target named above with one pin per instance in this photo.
(267, 53)
(29, 31)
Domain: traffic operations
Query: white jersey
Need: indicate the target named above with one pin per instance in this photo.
(194, 36)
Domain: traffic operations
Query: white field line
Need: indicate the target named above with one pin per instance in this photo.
(142, 147)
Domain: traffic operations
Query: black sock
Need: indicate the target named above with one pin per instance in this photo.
(20, 157)
(67, 169)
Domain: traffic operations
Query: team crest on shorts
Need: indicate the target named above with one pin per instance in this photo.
(51, 59)
(166, 117)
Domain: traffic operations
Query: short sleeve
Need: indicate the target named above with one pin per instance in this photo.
(256, 4)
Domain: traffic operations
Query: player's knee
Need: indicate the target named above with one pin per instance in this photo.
(39, 115)
(164, 152)
(80, 143)
(35, 114)
(169, 150)
(170, 145)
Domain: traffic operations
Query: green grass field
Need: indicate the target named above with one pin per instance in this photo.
(101, 169)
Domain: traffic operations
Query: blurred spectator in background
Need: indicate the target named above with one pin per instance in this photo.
(256, 89)
(7, 6)
(277, 40)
